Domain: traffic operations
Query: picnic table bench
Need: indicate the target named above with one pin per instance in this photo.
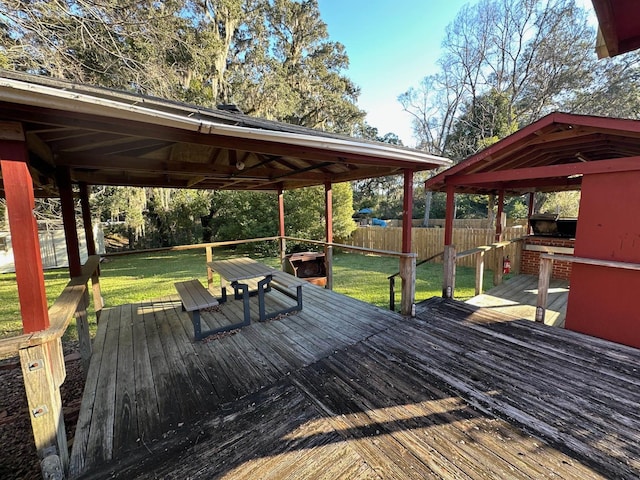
(241, 274)
(195, 297)
(283, 281)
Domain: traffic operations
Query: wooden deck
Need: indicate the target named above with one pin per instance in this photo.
(344, 390)
(518, 295)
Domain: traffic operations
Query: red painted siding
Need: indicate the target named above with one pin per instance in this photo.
(603, 301)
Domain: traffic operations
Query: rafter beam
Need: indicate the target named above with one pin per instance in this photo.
(565, 170)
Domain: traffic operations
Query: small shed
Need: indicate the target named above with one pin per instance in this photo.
(599, 156)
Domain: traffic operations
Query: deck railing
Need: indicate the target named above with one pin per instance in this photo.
(43, 368)
(499, 248)
(546, 268)
(407, 260)
(407, 270)
(392, 281)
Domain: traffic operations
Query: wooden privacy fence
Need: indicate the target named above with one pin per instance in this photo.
(458, 222)
(430, 241)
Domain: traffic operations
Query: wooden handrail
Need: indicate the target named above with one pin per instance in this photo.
(451, 258)
(592, 261)
(392, 280)
(486, 248)
(546, 267)
(428, 259)
(387, 253)
(189, 247)
(60, 313)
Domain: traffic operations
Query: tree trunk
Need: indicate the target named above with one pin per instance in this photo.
(207, 229)
(427, 207)
(491, 211)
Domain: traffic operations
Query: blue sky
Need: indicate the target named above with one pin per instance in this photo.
(391, 45)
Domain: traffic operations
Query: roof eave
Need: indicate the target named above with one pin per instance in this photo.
(44, 96)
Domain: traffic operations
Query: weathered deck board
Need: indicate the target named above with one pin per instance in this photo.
(345, 390)
(518, 296)
(125, 430)
(100, 441)
(78, 461)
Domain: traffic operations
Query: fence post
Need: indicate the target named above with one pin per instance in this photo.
(449, 277)
(546, 265)
(209, 254)
(497, 270)
(328, 257)
(43, 372)
(283, 251)
(479, 272)
(98, 302)
(84, 337)
(408, 275)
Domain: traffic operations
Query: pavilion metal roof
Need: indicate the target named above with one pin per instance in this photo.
(108, 137)
(551, 154)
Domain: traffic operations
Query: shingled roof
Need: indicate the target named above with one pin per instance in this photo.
(109, 137)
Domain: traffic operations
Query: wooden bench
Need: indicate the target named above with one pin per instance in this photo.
(283, 282)
(194, 298)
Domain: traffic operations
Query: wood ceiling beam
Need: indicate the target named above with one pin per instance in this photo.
(550, 171)
(89, 140)
(133, 147)
(160, 132)
(113, 163)
(529, 183)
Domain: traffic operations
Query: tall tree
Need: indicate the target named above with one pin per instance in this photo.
(271, 57)
(506, 63)
(514, 51)
(295, 73)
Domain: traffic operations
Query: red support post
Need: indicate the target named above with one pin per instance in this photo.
(18, 187)
(407, 211)
(63, 179)
(86, 218)
(448, 218)
(499, 216)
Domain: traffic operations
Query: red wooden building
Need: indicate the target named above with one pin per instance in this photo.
(599, 156)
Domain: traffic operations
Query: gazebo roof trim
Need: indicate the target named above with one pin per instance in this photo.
(536, 151)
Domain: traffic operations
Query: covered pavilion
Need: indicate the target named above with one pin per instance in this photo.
(55, 135)
(601, 158)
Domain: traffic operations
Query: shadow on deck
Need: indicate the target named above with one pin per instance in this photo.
(346, 390)
(517, 297)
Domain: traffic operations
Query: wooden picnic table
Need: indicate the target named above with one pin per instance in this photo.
(236, 271)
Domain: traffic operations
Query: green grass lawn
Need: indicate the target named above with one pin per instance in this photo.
(134, 278)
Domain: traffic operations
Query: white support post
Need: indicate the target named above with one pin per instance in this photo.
(449, 278)
(408, 275)
(546, 266)
(43, 371)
